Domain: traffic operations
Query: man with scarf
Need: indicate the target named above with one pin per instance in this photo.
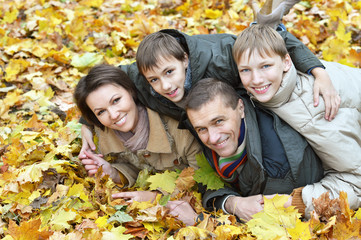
(250, 148)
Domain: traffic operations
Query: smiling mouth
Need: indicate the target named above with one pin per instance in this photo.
(260, 90)
(121, 121)
(172, 93)
(221, 144)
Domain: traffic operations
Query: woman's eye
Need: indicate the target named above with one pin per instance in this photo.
(153, 80)
(169, 71)
(116, 100)
(100, 112)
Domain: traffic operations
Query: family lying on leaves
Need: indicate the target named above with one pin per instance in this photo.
(263, 109)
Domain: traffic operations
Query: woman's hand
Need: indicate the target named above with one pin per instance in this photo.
(88, 145)
(139, 196)
(92, 162)
(323, 86)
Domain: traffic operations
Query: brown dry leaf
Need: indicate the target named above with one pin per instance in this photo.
(185, 180)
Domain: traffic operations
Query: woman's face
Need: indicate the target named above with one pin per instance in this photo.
(114, 107)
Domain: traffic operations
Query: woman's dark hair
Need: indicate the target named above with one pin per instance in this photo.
(97, 77)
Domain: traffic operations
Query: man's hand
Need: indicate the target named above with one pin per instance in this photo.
(324, 87)
(183, 211)
(244, 207)
(87, 141)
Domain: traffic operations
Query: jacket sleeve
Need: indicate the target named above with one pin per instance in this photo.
(129, 171)
(334, 182)
(214, 200)
(302, 57)
(186, 145)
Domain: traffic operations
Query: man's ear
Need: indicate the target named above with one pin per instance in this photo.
(287, 63)
(240, 107)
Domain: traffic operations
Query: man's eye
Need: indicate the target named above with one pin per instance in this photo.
(266, 66)
(219, 121)
(169, 71)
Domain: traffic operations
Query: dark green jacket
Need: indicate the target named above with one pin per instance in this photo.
(210, 55)
(304, 166)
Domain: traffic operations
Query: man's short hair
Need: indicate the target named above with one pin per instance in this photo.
(263, 39)
(206, 90)
(155, 46)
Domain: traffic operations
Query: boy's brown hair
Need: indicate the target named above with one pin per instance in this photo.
(155, 46)
(259, 38)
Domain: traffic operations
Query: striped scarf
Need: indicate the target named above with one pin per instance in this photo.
(227, 166)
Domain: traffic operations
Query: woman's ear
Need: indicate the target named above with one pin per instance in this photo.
(287, 63)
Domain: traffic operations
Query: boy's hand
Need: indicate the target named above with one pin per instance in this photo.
(87, 142)
(323, 86)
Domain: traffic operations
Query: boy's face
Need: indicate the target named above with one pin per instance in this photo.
(168, 77)
(218, 126)
(262, 75)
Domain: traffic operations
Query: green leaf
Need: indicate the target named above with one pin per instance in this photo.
(164, 200)
(206, 175)
(120, 217)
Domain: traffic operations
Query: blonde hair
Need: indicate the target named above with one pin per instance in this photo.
(259, 38)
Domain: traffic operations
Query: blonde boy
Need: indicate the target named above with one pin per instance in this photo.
(267, 73)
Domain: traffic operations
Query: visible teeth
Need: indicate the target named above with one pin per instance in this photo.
(218, 144)
(262, 88)
(121, 120)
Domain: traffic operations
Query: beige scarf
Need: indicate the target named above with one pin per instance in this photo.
(138, 139)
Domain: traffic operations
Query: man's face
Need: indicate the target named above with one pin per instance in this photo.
(218, 126)
(168, 77)
(262, 75)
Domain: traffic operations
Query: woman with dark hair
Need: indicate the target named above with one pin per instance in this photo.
(135, 136)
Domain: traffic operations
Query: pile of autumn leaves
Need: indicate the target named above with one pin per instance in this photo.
(45, 193)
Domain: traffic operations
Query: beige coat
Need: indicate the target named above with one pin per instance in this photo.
(337, 143)
(168, 148)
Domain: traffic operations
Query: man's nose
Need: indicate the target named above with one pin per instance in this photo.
(214, 135)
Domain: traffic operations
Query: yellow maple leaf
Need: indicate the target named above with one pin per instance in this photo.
(225, 232)
(164, 181)
(301, 231)
(116, 233)
(273, 221)
(60, 219)
(213, 14)
(194, 233)
(11, 16)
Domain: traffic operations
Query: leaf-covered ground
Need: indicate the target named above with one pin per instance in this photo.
(46, 46)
